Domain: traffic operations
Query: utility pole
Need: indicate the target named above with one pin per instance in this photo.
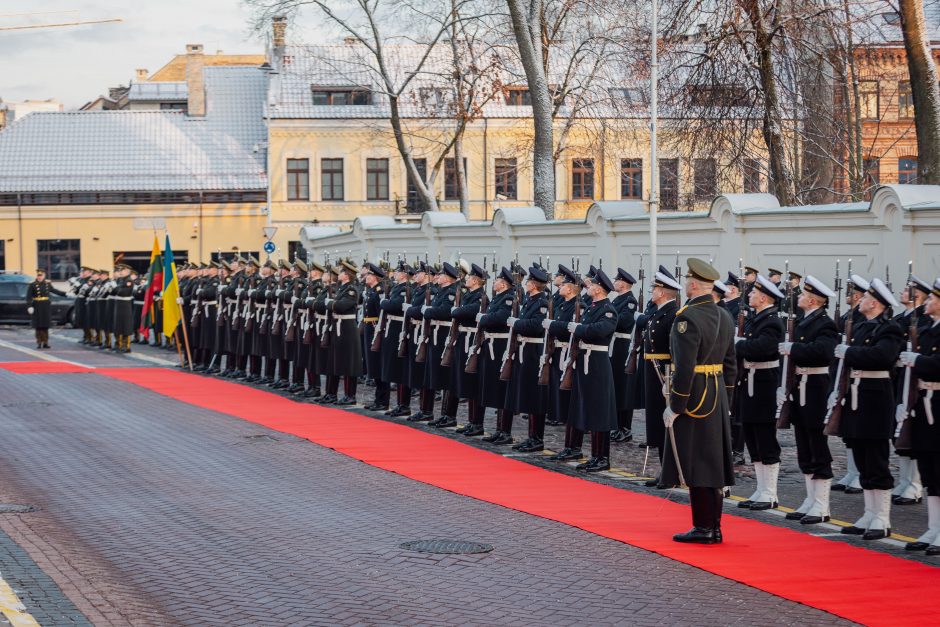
(654, 114)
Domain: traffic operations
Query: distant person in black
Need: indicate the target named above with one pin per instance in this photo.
(39, 307)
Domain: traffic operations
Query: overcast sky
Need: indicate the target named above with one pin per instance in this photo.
(76, 64)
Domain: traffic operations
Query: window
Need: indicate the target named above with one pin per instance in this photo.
(331, 179)
(518, 96)
(173, 106)
(298, 179)
(751, 169)
(376, 179)
(506, 179)
(905, 101)
(413, 202)
(705, 175)
(907, 170)
(451, 189)
(669, 184)
(631, 178)
(12, 291)
(582, 179)
(60, 258)
(872, 172)
(868, 100)
(339, 97)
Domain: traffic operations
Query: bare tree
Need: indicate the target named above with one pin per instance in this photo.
(924, 89)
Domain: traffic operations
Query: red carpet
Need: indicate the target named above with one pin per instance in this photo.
(855, 583)
(42, 367)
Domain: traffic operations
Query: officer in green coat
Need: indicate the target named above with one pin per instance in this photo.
(39, 307)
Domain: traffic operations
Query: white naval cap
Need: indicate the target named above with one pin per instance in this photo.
(859, 284)
(665, 279)
(720, 287)
(814, 286)
(767, 286)
(880, 291)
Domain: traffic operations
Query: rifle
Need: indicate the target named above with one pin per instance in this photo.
(567, 377)
(291, 318)
(276, 324)
(678, 275)
(380, 327)
(548, 342)
(421, 354)
(789, 366)
(909, 394)
(325, 333)
(307, 325)
(447, 357)
(512, 346)
(473, 359)
(635, 344)
(834, 415)
(236, 315)
(742, 299)
(249, 318)
(403, 334)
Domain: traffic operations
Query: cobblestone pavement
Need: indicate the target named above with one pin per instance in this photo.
(154, 512)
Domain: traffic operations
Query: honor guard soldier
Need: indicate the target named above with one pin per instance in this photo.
(492, 324)
(217, 317)
(231, 295)
(626, 305)
(307, 329)
(140, 293)
(323, 346)
(463, 384)
(277, 299)
(422, 293)
(394, 360)
(719, 292)
(732, 298)
(40, 309)
(371, 315)
(868, 411)
(857, 288)
(793, 307)
(756, 392)
(437, 376)
(700, 387)
(246, 318)
(207, 329)
(257, 337)
(657, 361)
(810, 350)
(775, 276)
(344, 332)
(593, 402)
(925, 428)
(105, 317)
(559, 400)
(123, 295)
(524, 394)
(909, 489)
(291, 306)
(80, 288)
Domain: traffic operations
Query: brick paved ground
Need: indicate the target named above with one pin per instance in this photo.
(156, 512)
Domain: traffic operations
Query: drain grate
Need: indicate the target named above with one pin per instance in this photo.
(17, 508)
(448, 547)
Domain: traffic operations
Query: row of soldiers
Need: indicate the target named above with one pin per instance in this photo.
(108, 306)
(576, 350)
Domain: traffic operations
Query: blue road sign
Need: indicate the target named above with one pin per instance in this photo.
(269, 247)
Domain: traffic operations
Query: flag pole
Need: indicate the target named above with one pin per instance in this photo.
(176, 334)
(189, 356)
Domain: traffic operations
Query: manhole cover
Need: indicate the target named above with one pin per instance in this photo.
(17, 508)
(450, 547)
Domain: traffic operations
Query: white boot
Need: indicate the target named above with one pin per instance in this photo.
(819, 510)
(768, 498)
(800, 511)
(880, 526)
(912, 490)
(759, 476)
(852, 484)
(933, 526)
(861, 525)
(904, 464)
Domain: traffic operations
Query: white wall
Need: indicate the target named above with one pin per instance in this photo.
(901, 222)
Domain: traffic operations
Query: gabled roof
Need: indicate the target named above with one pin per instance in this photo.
(145, 150)
(175, 70)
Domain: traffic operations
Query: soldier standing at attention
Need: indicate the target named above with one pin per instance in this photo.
(372, 296)
(560, 400)
(395, 368)
(464, 384)
(704, 362)
(344, 339)
(492, 324)
(39, 307)
(624, 389)
(123, 309)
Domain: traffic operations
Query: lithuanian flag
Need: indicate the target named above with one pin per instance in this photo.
(171, 291)
(154, 284)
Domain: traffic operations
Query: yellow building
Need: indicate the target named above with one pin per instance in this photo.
(92, 187)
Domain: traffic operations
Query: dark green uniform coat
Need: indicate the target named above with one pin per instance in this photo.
(37, 297)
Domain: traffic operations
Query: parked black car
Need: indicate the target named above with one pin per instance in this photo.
(13, 302)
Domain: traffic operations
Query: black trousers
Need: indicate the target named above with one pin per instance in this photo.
(382, 392)
(475, 412)
(404, 396)
(761, 441)
(537, 426)
(349, 386)
(574, 438)
(928, 462)
(600, 444)
(449, 403)
(706, 507)
(871, 457)
(625, 419)
(812, 452)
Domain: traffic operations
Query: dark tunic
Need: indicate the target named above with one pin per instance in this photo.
(436, 376)
(926, 437)
(345, 345)
(394, 368)
(371, 311)
(262, 296)
(656, 356)
(413, 322)
(492, 391)
(524, 394)
(624, 388)
(559, 400)
(875, 345)
(323, 355)
(464, 316)
(306, 319)
(37, 296)
(814, 339)
(701, 336)
(207, 314)
(593, 406)
(762, 334)
(123, 296)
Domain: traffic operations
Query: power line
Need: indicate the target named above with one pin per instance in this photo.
(83, 23)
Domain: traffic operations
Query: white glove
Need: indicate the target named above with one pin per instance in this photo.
(669, 417)
(179, 300)
(405, 304)
(738, 338)
(840, 351)
(327, 301)
(453, 310)
(832, 401)
(477, 317)
(781, 396)
(784, 347)
(511, 322)
(908, 358)
(293, 299)
(900, 414)
(665, 390)
(30, 310)
(546, 323)
(572, 326)
(238, 291)
(425, 308)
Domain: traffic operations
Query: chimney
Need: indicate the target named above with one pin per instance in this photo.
(142, 74)
(195, 80)
(279, 28)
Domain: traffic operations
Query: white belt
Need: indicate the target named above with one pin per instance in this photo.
(285, 305)
(138, 302)
(931, 387)
(523, 340)
(123, 297)
(757, 365)
(437, 324)
(858, 375)
(396, 318)
(339, 327)
(490, 337)
(590, 348)
(563, 359)
(613, 340)
(805, 374)
(468, 332)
